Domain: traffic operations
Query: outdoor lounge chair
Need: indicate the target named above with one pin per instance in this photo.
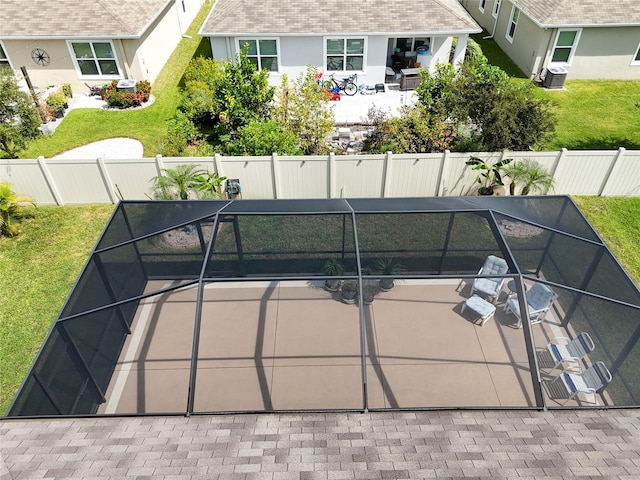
(592, 380)
(570, 351)
(539, 299)
(490, 287)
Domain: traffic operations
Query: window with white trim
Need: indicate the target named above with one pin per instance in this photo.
(496, 8)
(482, 4)
(344, 54)
(95, 59)
(263, 53)
(636, 57)
(564, 47)
(513, 23)
(4, 60)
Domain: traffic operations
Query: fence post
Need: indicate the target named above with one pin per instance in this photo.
(440, 184)
(217, 164)
(159, 164)
(275, 176)
(607, 175)
(107, 180)
(560, 156)
(49, 180)
(331, 167)
(386, 174)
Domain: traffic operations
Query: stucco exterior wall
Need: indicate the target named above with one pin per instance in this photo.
(60, 70)
(297, 52)
(606, 54)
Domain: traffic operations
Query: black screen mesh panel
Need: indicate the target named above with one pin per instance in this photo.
(59, 373)
(281, 244)
(280, 303)
(415, 240)
(99, 337)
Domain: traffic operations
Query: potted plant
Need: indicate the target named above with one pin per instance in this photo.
(388, 266)
(531, 175)
(333, 268)
(368, 293)
(56, 103)
(349, 291)
(489, 177)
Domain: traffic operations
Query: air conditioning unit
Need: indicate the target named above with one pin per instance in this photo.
(555, 77)
(127, 85)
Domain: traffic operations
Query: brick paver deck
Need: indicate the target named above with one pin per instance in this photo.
(474, 444)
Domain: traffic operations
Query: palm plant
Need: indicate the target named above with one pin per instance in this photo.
(334, 268)
(388, 266)
(11, 209)
(177, 183)
(533, 177)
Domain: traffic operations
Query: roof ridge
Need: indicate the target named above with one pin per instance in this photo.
(448, 7)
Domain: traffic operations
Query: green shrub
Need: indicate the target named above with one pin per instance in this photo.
(117, 99)
(66, 90)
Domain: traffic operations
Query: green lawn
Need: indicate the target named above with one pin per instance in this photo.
(597, 115)
(592, 115)
(83, 126)
(617, 221)
(38, 269)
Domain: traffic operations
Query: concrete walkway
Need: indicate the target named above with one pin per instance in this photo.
(475, 444)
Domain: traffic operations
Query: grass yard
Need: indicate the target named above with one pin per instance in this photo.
(39, 267)
(592, 115)
(595, 115)
(617, 221)
(147, 125)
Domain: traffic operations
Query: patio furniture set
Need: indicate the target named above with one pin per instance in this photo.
(539, 298)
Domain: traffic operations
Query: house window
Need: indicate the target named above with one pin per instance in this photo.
(513, 23)
(4, 60)
(496, 8)
(262, 53)
(566, 41)
(345, 54)
(96, 59)
(410, 44)
(636, 57)
(482, 4)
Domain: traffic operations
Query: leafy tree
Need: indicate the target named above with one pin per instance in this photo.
(305, 109)
(11, 209)
(416, 130)
(19, 118)
(263, 138)
(495, 112)
(227, 95)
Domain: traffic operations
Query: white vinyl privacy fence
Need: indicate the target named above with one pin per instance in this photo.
(57, 181)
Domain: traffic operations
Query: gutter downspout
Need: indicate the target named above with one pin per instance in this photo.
(495, 23)
(547, 52)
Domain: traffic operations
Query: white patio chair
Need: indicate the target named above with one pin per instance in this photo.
(571, 351)
(539, 299)
(591, 381)
(490, 287)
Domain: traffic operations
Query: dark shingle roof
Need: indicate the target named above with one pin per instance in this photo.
(268, 17)
(582, 12)
(74, 18)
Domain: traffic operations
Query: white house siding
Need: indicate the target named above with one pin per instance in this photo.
(529, 41)
(151, 52)
(60, 70)
(606, 54)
